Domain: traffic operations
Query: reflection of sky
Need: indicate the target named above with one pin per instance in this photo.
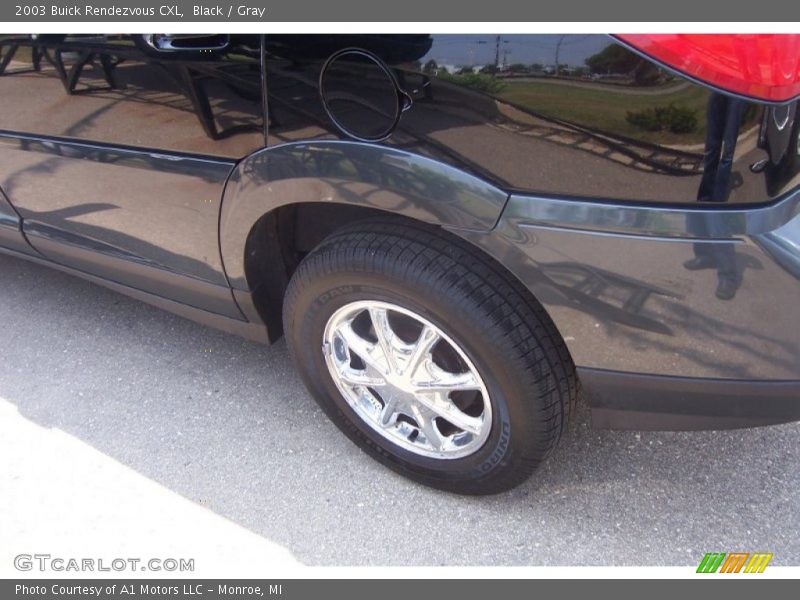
(461, 50)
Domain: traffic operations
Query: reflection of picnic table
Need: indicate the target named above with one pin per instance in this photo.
(613, 146)
(9, 47)
(70, 58)
(608, 295)
(80, 54)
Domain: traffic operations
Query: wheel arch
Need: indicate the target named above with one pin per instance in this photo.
(355, 174)
(281, 201)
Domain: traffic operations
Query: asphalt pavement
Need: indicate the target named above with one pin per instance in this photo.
(225, 425)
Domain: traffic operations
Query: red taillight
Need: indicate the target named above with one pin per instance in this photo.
(765, 66)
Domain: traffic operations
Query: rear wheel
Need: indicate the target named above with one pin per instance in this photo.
(429, 356)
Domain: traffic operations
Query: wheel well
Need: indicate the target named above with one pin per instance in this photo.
(280, 239)
(277, 243)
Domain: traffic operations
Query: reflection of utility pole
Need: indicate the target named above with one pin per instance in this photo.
(497, 42)
(558, 48)
(506, 52)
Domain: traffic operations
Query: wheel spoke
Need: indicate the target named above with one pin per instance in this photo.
(443, 407)
(447, 409)
(363, 348)
(427, 425)
(368, 377)
(385, 335)
(449, 382)
(422, 349)
(388, 415)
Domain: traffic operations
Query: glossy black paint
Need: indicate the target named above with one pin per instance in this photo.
(603, 214)
(350, 174)
(11, 235)
(197, 180)
(116, 159)
(585, 131)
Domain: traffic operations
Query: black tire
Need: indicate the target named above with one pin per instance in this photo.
(506, 334)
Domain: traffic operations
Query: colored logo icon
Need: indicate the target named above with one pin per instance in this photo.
(734, 562)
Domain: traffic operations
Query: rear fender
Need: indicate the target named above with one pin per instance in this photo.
(349, 173)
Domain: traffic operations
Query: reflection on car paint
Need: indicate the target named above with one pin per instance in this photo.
(589, 172)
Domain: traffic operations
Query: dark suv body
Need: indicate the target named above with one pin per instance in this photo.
(550, 211)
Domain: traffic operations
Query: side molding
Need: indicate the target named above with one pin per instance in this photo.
(621, 400)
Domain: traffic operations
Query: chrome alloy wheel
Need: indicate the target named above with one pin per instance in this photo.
(407, 380)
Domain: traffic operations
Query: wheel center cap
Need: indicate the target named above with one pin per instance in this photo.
(400, 382)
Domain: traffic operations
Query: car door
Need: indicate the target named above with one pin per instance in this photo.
(114, 151)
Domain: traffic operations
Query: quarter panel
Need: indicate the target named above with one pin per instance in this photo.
(626, 302)
(619, 173)
(556, 115)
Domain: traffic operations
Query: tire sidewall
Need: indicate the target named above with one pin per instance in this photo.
(322, 296)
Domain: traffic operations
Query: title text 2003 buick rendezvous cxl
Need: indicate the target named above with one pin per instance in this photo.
(455, 233)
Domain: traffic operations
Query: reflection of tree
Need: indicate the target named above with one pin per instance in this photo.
(618, 60)
(430, 67)
(476, 81)
(293, 92)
